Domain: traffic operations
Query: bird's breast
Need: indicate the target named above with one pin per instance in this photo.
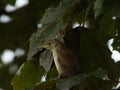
(57, 62)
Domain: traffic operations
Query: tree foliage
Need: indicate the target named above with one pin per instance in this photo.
(98, 23)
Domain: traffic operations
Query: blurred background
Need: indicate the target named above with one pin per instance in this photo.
(18, 20)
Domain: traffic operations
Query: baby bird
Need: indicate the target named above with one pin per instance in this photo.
(65, 61)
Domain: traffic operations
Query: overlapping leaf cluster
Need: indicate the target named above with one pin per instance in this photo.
(98, 70)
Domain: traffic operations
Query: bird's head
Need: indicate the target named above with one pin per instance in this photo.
(52, 44)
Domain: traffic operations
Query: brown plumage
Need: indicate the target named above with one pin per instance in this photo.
(65, 60)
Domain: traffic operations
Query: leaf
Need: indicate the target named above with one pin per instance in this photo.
(46, 60)
(12, 2)
(108, 23)
(114, 72)
(98, 7)
(51, 25)
(108, 26)
(66, 84)
(52, 73)
(111, 11)
(89, 45)
(116, 43)
(48, 85)
(28, 75)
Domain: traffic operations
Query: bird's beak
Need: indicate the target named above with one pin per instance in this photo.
(44, 46)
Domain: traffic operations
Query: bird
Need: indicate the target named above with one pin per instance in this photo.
(65, 60)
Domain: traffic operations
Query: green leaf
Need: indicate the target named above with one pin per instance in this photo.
(46, 60)
(48, 85)
(114, 72)
(89, 45)
(108, 25)
(28, 75)
(51, 25)
(98, 7)
(116, 43)
(52, 73)
(111, 8)
(12, 2)
(66, 84)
